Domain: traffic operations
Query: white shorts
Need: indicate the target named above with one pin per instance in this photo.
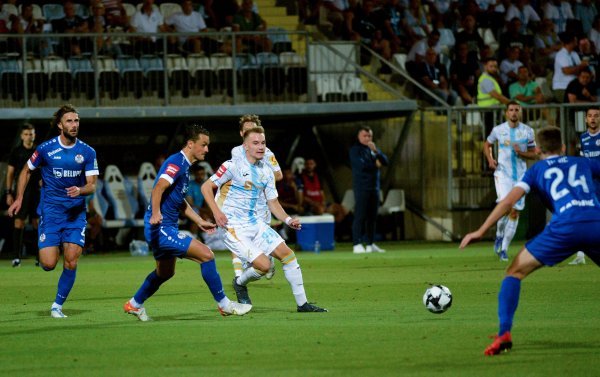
(503, 187)
(248, 243)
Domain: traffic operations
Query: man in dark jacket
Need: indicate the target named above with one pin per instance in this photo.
(366, 160)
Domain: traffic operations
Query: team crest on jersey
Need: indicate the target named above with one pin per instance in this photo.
(507, 142)
(42, 237)
(58, 172)
(221, 171)
(273, 161)
(172, 170)
(95, 164)
(180, 235)
(598, 142)
(79, 159)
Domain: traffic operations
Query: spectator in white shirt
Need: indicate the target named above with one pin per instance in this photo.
(525, 12)
(559, 12)
(509, 67)
(187, 21)
(148, 20)
(567, 66)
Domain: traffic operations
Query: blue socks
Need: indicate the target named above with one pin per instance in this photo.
(508, 299)
(65, 283)
(212, 279)
(149, 287)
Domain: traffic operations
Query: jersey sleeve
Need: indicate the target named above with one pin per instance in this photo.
(171, 171)
(36, 159)
(530, 138)
(493, 137)
(272, 161)
(91, 166)
(223, 174)
(270, 189)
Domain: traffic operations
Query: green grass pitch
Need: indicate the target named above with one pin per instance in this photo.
(376, 325)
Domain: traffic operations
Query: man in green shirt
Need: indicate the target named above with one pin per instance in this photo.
(525, 91)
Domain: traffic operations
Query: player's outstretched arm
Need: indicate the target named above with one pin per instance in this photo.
(206, 226)
(278, 211)
(500, 210)
(24, 177)
(207, 191)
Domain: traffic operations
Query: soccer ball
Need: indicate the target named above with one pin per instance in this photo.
(437, 299)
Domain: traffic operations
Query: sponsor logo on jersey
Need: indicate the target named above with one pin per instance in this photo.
(172, 170)
(273, 161)
(180, 235)
(52, 153)
(79, 159)
(221, 171)
(34, 157)
(60, 173)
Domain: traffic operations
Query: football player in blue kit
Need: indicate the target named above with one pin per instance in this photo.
(566, 186)
(69, 172)
(590, 148)
(162, 231)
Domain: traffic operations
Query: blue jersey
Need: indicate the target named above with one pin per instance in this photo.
(590, 145)
(566, 185)
(62, 167)
(174, 170)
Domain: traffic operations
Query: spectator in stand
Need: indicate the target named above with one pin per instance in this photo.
(514, 38)
(547, 44)
(148, 19)
(98, 23)
(72, 23)
(287, 189)
(444, 11)
(224, 11)
(470, 36)
(489, 91)
(417, 53)
(525, 12)
(433, 76)
(509, 66)
(393, 31)
(25, 23)
(416, 21)
(248, 20)
(525, 91)
(581, 89)
(338, 12)
(312, 196)
(186, 21)
(559, 12)
(308, 11)
(567, 65)
(206, 10)
(463, 71)
(586, 53)
(594, 34)
(482, 10)
(586, 12)
(366, 25)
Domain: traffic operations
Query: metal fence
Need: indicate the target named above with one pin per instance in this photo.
(131, 69)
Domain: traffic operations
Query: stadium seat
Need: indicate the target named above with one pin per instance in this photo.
(154, 74)
(222, 64)
(202, 73)
(109, 78)
(273, 72)
(60, 76)
(295, 72)
(394, 206)
(168, 9)
(10, 9)
(353, 88)
(400, 60)
(348, 200)
(179, 74)
(83, 75)
(11, 76)
(145, 178)
(129, 9)
(53, 12)
(37, 79)
(121, 197)
(328, 88)
(132, 77)
(250, 78)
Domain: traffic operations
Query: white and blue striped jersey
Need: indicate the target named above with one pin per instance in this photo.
(271, 162)
(174, 170)
(566, 186)
(241, 185)
(509, 163)
(62, 167)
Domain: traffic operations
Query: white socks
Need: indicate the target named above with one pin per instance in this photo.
(293, 274)
(509, 232)
(250, 274)
(237, 266)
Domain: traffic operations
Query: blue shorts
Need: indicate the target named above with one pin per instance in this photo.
(59, 225)
(166, 241)
(558, 242)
